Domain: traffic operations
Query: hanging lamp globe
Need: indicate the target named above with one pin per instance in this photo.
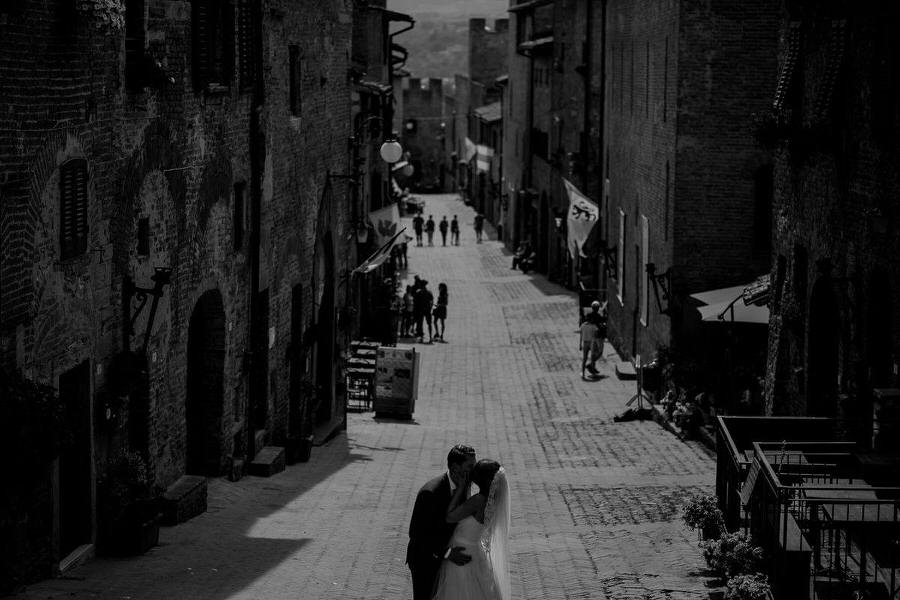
(391, 151)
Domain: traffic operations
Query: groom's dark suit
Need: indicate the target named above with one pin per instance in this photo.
(429, 534)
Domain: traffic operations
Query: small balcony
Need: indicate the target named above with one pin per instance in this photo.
(823, 506)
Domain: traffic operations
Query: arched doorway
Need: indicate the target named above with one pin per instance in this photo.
(205, 386)
(297, 368)
(325, 329)
(824, 348)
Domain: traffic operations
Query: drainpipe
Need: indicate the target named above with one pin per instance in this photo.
(601, 135)
(257, 162)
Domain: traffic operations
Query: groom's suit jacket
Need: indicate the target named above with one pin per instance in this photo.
(429, 532)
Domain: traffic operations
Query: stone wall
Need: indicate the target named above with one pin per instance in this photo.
(166, 160)
(835, 299)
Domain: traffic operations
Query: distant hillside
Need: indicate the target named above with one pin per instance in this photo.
(453, 10)
(438, 43)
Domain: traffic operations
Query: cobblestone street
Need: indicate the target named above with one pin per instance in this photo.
(595, 503)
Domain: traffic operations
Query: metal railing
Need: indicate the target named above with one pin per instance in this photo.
(827, 532)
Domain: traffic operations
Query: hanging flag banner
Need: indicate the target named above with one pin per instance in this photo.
(582, 217)
(380, 255)
(385, 221)
(471, 150)
(484, 154)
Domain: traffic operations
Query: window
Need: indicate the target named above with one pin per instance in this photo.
(73, 199)
(763, 196)
(134, 42)
(143, 236)
(666, 208)
(665, 98)
(620, 258)
(246, 47)
(642, 276)
(213, 57)
(295, 79)
(238, 220)
(540, 142)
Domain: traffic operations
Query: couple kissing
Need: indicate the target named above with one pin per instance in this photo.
(458, 536)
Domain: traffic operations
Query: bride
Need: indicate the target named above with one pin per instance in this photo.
(482, 529)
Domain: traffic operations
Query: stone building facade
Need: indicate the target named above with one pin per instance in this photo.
(684, 179)
(423, 132)
(186, 147)
(834, 332)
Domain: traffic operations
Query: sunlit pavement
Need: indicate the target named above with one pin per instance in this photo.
(595, 503)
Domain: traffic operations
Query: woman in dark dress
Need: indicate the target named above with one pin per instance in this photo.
(440, 312)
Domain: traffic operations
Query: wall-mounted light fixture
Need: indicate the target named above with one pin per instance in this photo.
(662, 281)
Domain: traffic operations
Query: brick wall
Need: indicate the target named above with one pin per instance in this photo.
(423, 103)
(682, 82)
(487, 53)
(171, 156)
(836, 190)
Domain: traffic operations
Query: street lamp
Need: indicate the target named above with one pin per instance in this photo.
(391, 151)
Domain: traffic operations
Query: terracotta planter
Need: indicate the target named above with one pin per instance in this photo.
(134, 533)
(710, 532)
(298, 449)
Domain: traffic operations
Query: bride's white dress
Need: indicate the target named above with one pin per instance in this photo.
(473, 580)
(486, 576)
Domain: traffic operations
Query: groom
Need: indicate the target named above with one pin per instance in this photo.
(429, 532)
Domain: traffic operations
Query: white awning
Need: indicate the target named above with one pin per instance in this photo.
(727, 305)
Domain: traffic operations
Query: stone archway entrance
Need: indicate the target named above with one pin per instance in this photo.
(205, 386)
(325, 330)
(824, 348)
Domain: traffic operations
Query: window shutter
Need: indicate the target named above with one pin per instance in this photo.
(226, 52)
(245, 44)
(73, 224)
(201, 58)
(786, 77)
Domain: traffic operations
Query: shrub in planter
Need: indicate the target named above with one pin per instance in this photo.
(748, 587)
(129, 512)
(732, 554)
(702, 513)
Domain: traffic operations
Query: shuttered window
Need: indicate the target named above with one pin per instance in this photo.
(73, 199)
(213, 47)
(295, 78)
(246, 48)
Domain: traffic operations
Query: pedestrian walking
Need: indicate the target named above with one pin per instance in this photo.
(418, 223)
(404, 258)
(588, 332)
(479, 225)
(429, 229)
(440, 312)
(423, 303)
(408, 311)
(442, 226)
(454, 231)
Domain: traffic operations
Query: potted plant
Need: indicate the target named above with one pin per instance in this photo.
(748, 587)
(703, 514)
(298, 447)
(129, 513)
(732, 554)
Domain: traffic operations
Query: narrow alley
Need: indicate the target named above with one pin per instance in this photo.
(595, 503)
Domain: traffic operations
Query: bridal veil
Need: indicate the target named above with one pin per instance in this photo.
(495, 535)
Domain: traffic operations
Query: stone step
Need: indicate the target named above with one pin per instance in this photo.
(267, 462)
(184, 499)
(625, 371)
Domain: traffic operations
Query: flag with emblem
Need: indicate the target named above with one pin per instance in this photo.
(582, 216)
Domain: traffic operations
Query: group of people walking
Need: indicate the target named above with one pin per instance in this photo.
(420, 225)
(420, 309)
